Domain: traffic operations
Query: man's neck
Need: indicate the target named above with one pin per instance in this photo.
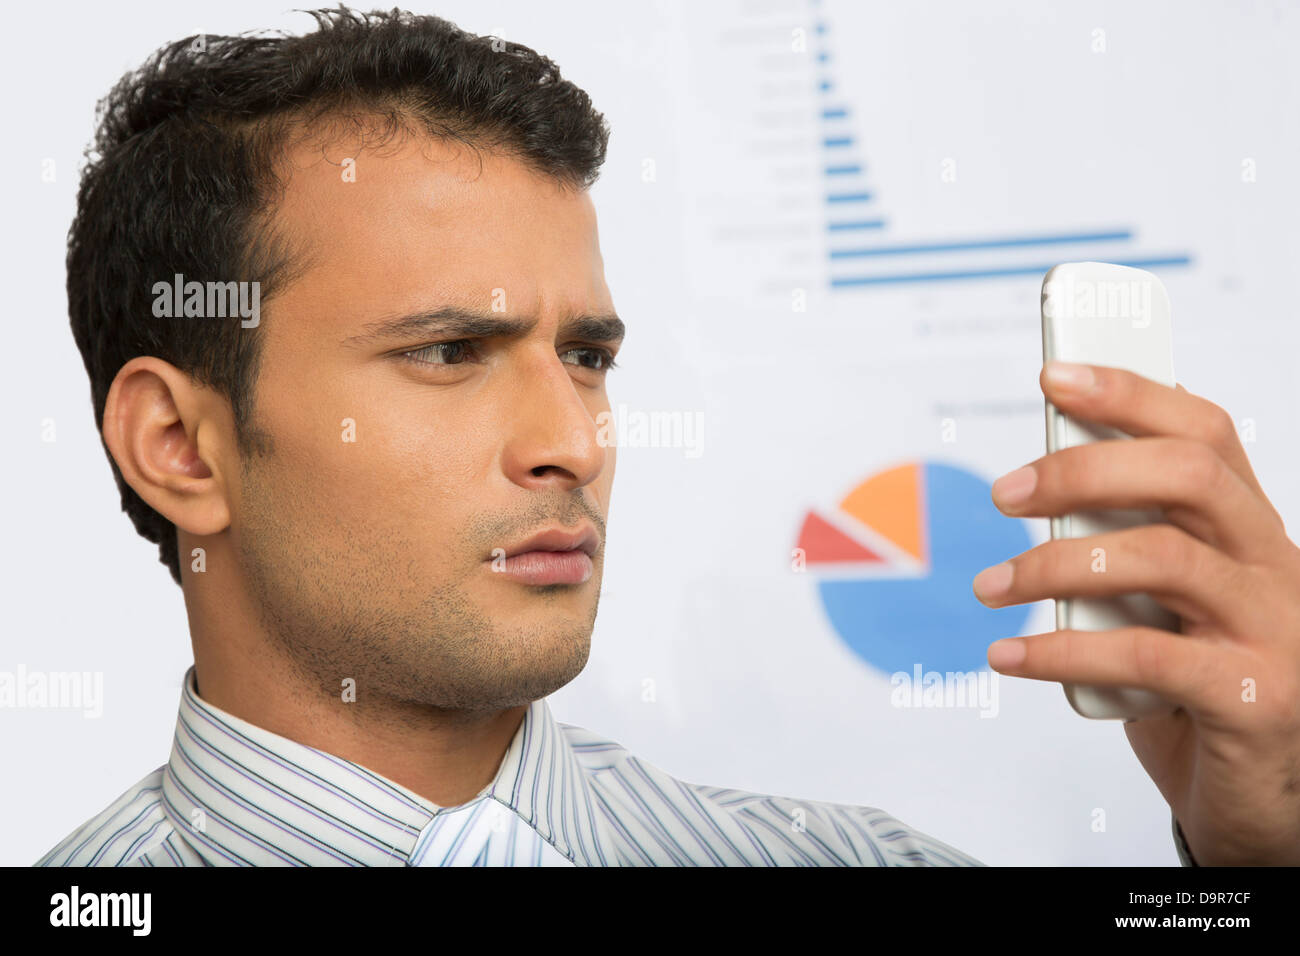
(447, 757)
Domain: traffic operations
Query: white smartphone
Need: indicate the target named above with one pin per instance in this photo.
(1103, 314)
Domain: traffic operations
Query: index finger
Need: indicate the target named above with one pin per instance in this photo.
(1138, 406)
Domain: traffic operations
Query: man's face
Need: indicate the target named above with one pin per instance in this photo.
(367, 537)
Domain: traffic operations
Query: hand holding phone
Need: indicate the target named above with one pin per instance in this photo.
(1097, 313)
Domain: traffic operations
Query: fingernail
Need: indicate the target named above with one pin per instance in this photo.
(1008, 652)
(1015, 486)
(1069, 376)
(994, 581)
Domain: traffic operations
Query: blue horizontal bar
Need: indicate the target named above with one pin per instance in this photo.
(836, 112)
(843, 170)
(1039, 270)
(848, 197)
(1004, 243)
(838, 141)
(856, 224)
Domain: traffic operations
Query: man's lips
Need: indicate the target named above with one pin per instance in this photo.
(582, 538)
(546, 567)
(553, 556)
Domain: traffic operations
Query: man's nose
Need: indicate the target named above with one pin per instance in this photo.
(553, 434)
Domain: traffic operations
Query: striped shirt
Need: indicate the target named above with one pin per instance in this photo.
(233, 794)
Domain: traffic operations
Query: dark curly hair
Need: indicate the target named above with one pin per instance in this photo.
(181, 178)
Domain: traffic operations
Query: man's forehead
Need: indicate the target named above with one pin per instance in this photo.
(419, 201)
(405, 173)
(414, 223)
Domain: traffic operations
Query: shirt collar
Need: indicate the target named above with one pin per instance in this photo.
(244, 796)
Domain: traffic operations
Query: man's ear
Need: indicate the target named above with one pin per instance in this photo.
(173, 441)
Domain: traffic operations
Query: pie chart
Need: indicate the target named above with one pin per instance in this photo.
(894, 562)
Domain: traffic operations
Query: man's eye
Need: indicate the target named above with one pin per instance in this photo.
(603, 358)
(442, 353)
(461, 350)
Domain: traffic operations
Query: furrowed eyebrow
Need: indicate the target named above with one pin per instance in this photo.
(453, 320)
(608, 329)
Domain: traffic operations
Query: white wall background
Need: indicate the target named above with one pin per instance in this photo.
(754, 690)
